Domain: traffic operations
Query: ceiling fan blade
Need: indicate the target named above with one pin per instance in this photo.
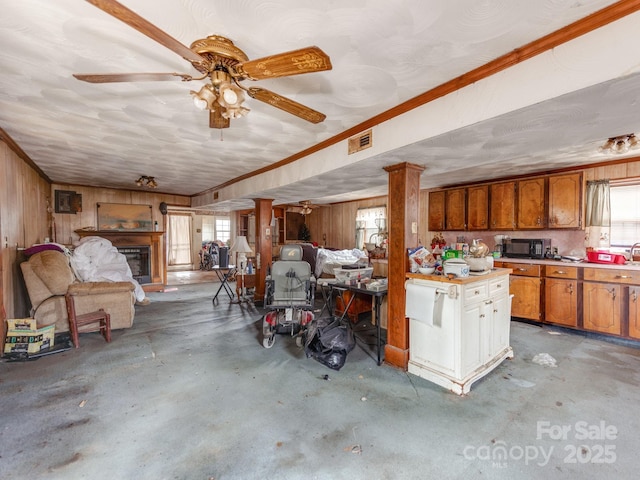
(305, 60)
(216, 120)
(119, 11)
(286, 104)
(131, 77)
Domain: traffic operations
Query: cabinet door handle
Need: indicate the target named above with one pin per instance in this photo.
(571, 289)
(634, 294)
(521, 269)
(613, 293)
(560, 272)
(488, 302)
(624, 276)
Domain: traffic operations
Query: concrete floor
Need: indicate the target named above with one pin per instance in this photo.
(190, 393)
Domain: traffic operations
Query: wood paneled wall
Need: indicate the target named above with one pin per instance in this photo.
(24, 197)
(614, 171)
(334, 226)
(65, 223)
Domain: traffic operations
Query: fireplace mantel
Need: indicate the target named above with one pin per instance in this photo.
(136, 238)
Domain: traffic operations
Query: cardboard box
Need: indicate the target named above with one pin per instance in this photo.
(351, 275)
(23, 336)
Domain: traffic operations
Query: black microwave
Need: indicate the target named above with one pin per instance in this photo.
(526, 247)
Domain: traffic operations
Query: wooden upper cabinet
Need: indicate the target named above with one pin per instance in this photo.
(436, 211)
(455, 209)
(531, 203)
(502, 206)
(565, 195)
(478, 207)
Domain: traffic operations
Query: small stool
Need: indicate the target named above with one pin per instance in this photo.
(76, 321)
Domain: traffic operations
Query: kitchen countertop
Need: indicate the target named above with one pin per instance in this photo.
(494, 272)
(584, 264)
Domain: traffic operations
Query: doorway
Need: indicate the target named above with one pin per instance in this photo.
(179, 241)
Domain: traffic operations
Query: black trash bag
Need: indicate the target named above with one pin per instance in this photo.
(329, 342)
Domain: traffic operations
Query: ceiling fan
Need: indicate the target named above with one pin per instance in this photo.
(225, 66)
(305, 208)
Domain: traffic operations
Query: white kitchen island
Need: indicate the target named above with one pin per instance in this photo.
(458, 328)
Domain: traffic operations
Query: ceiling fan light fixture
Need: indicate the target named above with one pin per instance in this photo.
(147, 181)
(621, 144)
(235, 112)
(230, 96)
(203, 99)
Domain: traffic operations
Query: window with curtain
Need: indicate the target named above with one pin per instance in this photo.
(625, 213)
(598, 214)
(369, 223)
(179, 239)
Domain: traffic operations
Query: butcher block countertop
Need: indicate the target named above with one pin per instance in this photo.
(493, 273)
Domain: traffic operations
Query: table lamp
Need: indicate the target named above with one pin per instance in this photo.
(241, 248)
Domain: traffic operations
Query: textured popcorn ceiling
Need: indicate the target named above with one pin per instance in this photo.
(552, 110)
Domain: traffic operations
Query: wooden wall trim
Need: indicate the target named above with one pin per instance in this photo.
(578, 28)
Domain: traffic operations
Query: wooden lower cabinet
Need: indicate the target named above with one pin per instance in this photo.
(634, 312)
(601, 307)
(561, 301)
(561, 295)
(602, 300)
(525, 286)
(526, 297)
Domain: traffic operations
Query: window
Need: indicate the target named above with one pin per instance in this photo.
(223, 229)
(216, 228)
(208, 229)
(625, 214)
(371, 226)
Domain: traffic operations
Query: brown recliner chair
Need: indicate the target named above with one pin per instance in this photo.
(48, 277)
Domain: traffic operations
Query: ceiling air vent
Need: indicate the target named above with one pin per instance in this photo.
(360, 142)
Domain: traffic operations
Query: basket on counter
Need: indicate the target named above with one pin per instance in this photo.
(606, 257)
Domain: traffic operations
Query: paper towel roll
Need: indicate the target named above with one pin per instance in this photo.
(423, 303)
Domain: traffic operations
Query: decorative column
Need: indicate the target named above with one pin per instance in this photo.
(402, 212)
(264, 233)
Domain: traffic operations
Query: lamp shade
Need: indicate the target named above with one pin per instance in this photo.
(241, 245)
